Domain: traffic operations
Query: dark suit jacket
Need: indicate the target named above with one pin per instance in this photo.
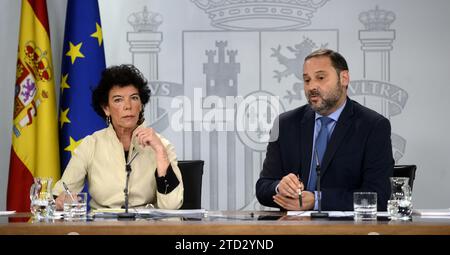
(358, 156)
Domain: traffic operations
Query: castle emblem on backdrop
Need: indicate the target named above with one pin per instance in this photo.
(221, 76)
(246, 58)
(145, 41)
(375, 90)
(28, 96)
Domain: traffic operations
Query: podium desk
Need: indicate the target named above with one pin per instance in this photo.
(224, 223)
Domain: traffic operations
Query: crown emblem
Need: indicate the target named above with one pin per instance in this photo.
(37, 61)
(261, 14)
(377, 19)
(145, 21)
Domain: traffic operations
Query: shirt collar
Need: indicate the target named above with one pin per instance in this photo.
(335, 115)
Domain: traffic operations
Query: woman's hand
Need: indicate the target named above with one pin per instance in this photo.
(146, 136)
(60, 201)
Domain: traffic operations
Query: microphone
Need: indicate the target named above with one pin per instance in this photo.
(318, 214)
(126, 215)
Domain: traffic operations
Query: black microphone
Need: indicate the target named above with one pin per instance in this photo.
(318, 214)
(126, 215)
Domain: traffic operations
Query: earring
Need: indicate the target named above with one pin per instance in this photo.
(141, 118)
(108, 120)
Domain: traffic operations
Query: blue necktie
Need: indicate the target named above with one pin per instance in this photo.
(321, 146)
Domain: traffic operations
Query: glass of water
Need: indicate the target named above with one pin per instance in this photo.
(75, 206)
(365, 206)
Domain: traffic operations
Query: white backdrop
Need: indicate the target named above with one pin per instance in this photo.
(400, 69)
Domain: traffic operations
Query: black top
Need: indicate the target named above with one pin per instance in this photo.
(164, 184)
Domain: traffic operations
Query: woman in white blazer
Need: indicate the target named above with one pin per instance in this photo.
(101, 158)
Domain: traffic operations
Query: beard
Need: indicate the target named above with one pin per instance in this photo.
(328, 99)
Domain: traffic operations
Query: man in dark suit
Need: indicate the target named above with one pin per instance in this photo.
(356, 145)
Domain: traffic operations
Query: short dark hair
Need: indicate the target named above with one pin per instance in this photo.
(122, 76)
(337, 60)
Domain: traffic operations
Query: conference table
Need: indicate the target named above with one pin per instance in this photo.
(226, 223)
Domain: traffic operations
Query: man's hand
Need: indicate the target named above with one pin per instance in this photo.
(290, 185)
(293, 204)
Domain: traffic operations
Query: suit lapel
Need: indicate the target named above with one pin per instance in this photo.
(337, 137)
(306, 140)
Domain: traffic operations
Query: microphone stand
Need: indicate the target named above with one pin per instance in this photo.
(127, 215)
(318, 214)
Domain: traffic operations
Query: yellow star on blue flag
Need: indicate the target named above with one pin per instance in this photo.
(83, 60)
(74, 51)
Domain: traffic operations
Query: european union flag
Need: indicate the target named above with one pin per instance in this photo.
(82, 63)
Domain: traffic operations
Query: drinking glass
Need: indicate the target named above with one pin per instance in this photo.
(42, 202)
(400, 204)
(365, 205)
(75, 206)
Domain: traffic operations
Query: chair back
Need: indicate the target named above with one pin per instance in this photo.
(406, 171)
(192, 172)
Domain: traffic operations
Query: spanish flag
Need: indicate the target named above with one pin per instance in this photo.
(34, 150)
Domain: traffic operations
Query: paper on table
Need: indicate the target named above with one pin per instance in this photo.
(7, 212)
(432, 212)
(153, 212)
(166, 212)
(110, 210)
(331, 213)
